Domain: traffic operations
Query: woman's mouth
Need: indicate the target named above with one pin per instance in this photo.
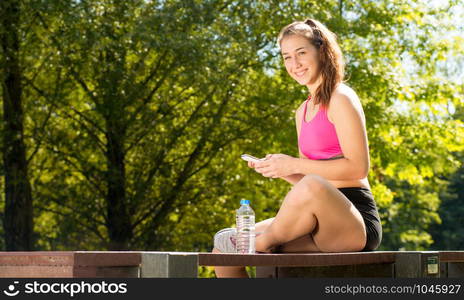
(301, 73)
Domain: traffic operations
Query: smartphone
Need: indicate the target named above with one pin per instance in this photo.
(251, 158)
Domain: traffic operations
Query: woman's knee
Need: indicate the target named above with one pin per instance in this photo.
(308, 190)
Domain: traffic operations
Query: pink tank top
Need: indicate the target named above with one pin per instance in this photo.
(318, 138)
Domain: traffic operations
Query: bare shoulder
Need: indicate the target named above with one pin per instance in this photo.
(345, 95)
(344, 99)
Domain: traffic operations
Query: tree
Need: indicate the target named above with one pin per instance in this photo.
(143, 79)
(17, 218)
(137, 113)
(447, 235)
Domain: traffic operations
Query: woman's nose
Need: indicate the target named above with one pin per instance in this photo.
(296, 62)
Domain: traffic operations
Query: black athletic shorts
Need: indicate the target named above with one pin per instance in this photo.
(363, 200)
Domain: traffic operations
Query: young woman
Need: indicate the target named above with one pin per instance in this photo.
(330, 207)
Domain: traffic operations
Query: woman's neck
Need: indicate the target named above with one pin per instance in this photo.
(312, 86)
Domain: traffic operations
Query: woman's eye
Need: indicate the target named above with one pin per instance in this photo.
(285, 58)
(301, 53)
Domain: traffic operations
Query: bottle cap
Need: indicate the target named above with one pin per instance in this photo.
(244, 201)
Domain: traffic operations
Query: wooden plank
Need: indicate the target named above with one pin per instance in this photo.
(107, 258)
(451, 256)
(357, 271)
(36, 271)
(106, 272)
(71, 258)
(44, 264)
(37, 258)
(295, 259)
(50, 264)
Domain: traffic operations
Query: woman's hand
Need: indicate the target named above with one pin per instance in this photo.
(275, 165)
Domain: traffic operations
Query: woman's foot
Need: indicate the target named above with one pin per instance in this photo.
(224, 240)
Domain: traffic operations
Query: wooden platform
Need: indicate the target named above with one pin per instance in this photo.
(300, 259)
(137, 264)
(70, 264)
(399, 264)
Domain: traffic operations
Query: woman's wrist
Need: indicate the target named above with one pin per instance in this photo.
(294, 165)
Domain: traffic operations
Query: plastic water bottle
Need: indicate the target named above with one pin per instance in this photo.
(245, 222)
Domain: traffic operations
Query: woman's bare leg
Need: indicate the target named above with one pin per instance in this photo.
(314, 217)
(229, 272)
(302, 244)
(315, 207)
(238, 272)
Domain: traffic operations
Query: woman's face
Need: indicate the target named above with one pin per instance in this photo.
(300, 59)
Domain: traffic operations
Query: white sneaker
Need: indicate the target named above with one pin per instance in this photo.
(224, 240)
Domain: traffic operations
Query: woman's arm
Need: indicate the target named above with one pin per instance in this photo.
(292, 178)
(348, 118)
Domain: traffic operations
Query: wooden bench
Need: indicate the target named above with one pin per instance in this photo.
(95, 264)
(137, 264)
(396, 264)
(451, 264)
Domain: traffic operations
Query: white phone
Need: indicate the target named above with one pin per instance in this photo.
(251, 158)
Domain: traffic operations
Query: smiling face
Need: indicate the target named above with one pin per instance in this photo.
(300, 59)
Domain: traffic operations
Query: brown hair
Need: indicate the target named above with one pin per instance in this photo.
(330, 55)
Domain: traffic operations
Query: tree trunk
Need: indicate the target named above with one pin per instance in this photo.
(119, 223)
(18, 221)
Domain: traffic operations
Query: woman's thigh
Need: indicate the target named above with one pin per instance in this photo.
(340, 226)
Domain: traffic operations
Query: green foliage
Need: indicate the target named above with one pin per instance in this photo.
(188, 86)
(448, 233)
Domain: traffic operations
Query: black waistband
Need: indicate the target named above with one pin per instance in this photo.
(354, 188)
